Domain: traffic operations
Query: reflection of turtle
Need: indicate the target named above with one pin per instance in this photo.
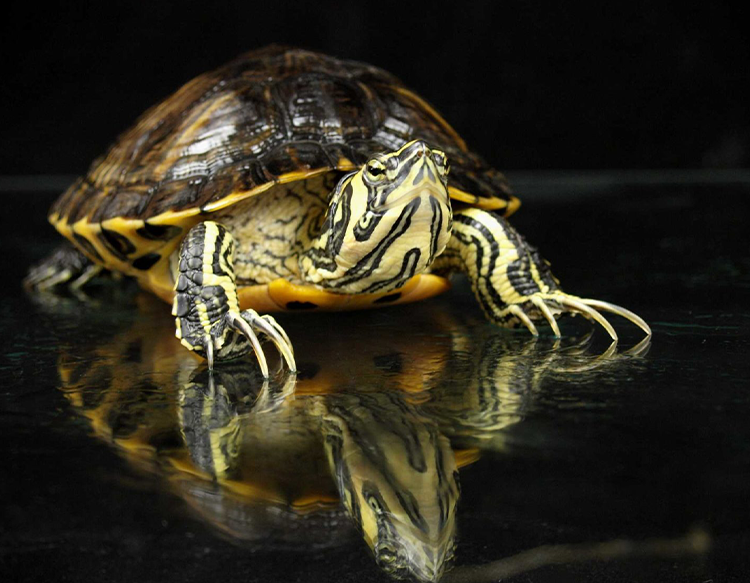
(273, 462)
(292, 180)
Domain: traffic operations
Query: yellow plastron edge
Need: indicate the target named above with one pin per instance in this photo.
(464, 457)
(280, 295)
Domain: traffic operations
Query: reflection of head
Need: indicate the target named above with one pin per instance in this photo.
(397, 478)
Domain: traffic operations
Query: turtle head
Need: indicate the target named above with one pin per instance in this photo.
(386, 222)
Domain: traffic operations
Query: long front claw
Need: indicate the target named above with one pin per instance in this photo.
(518, 312)
(249, 322)
(577, 305)
(210, 351)
(283, 334)
(620, 311)
(238, 322)
(276, 333)
(549, 305)
(547, 313)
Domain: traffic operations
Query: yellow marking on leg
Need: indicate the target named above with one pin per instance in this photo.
(209, 246)
(507, 254)
(210, 278)
(227, 264)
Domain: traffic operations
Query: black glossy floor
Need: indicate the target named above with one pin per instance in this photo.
(120, 461)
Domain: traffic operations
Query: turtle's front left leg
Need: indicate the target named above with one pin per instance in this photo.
(512, 282)
(206, 308)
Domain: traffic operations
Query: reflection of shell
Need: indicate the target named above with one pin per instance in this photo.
(247, 521)
(249, 457)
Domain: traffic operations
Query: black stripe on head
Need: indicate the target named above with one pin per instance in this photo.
(371, 261)
(435, 228)
(411, 506)
(408, 270)
(337, 230)
(366, 225)
(377, 194)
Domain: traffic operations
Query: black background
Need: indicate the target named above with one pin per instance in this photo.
(536, 85)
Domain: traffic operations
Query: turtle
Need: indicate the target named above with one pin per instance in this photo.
(291, 180)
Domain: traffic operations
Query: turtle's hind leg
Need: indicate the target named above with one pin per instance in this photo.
(512, 282)
(206, 308)
(65, 265)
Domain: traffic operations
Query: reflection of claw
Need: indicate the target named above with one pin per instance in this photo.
(595, 362)
(247, 323)
(641, 348)
(273, 394)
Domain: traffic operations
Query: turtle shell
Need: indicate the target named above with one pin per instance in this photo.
(271, 116)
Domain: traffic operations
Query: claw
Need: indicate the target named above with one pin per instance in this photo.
(620, 311)
(271, 399)
(579, 306)
(210, 352)
(43, 281)
(89, 273)
(547, 313)
(281, 331)
(611, 349)
(280, 339)
(521, 315)
(641, 348)
(238, 323)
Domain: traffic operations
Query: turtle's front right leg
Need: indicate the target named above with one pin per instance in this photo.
(206, 308)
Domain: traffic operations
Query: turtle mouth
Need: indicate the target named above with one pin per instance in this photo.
(423, 190)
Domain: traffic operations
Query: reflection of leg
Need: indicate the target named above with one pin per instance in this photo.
(208, 316)
(511, 281)
(66, 264)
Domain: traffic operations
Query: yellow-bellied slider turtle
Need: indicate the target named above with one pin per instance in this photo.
(292, 180)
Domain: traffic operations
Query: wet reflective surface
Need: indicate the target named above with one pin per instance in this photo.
(415, 441)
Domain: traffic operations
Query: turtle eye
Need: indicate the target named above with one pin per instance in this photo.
(441, 160)
(374, 503)
(375, 170)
